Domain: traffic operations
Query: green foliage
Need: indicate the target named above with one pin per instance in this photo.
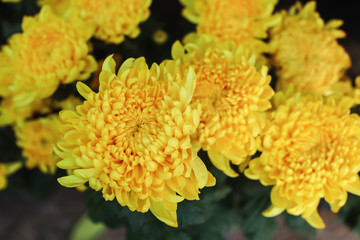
(208, 218)
(350, 213)
(298, 224)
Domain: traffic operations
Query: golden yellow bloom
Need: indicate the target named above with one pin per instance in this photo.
(232, 94)
(242, 21)
(132, 139)
(306, 52)
(309, 152)
(5, 170)
(36, 138)
(50, 51)
(112, 19)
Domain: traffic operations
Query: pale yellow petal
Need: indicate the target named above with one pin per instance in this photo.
(161, 211)
(273, 211)
(71, 181)
(315, 220)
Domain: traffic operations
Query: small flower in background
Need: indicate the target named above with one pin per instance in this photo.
(7, 169)
(160, 36)
(112, 19)
(232, 94)
(132, 139)
(241, 21)
(310, 151)
(50, 51)
(36, 138)
(305, 51)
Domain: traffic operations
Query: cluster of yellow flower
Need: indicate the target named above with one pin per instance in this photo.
(54, 49)
(137, 138)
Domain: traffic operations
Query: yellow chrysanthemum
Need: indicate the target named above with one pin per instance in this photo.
(242, 21)
(112, 19)
(5, 170)
(310, 151)
(306, 52)
(36, 138)
(50, 51)
(232, 94)
(132, 139)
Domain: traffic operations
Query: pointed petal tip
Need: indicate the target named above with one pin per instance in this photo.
(272, 211)
(71, 181)
(83, 89)
(315, 220)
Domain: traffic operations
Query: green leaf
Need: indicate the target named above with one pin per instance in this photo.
(110, 213)
(297, 223)
(190, 213)
(176, 235)
(253, 220)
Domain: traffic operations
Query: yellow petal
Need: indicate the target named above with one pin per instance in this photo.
(273, 211)
(71, 181)
(315, 220)
(3, 183)
(200, 171)
(83, 89)
(211, 180)
(276, 198)
(190, 84)
(10, 168)
(160, 210)
(68, 115)
(87, 173)
(109, 64)
(177, 50)
(221, 162)
(353, 187)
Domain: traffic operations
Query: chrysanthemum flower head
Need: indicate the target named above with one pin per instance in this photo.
(5, 170)
(310, 151)
(306, 52)
(50, 51)
(242, 21)
(132, 139)
(112, 19)
(232, 94)
(36, 138)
